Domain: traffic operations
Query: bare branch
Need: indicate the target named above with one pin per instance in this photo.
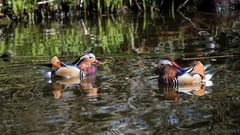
(194, 25)
(139, 7)
(182, 5)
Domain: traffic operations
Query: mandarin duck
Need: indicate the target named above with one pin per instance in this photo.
(169, 72)
(79, 68)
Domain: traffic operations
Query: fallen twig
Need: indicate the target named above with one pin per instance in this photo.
(208, 57)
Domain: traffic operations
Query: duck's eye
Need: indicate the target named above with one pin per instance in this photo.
(90, 57)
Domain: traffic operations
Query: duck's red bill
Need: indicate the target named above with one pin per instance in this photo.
(97, 62)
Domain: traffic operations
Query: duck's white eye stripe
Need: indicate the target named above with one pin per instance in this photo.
(91, 55)
(165, 62)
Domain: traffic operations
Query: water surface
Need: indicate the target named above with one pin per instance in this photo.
(123, 97)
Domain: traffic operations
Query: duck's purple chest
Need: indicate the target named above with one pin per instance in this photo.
(91, 70)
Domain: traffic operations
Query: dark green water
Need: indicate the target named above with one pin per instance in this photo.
(123, 97)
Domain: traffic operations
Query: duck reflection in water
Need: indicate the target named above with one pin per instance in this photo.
(85, 86)
(175, 94)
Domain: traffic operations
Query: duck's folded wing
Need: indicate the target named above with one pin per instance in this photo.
(188, 79)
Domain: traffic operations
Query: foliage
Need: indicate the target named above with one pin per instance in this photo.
(35, 9)
(108, 35)
(69, 39)
(24, 8)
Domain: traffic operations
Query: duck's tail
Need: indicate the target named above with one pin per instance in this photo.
(206, 66)
(45, 72)
(210, 73)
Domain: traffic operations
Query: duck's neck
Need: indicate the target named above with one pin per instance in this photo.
(84, 65)
(180, 71)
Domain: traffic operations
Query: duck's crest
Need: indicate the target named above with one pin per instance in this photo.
(167, 61)
(79, 59)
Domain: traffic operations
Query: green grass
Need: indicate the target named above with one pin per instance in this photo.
(98, 6)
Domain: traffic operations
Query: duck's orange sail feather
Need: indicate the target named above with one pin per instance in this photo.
(199, 69)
